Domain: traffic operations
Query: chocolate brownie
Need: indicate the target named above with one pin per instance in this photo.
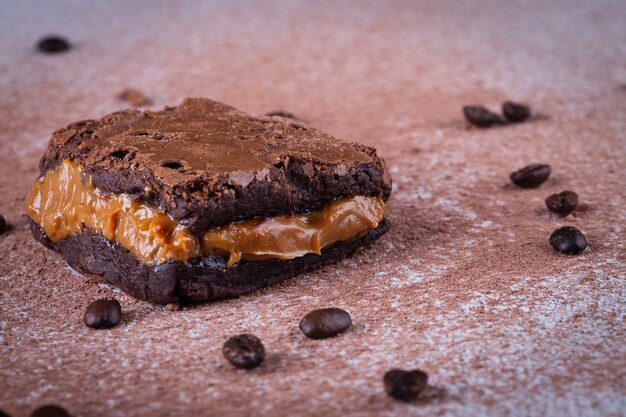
(202, 201)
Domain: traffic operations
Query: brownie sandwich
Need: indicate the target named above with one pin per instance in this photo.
(203, 201)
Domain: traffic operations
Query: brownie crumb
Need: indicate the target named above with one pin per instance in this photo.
(325, 323)
(480, 116)
(244, 351)
(562, 203)
(568, 240)
(53, 44)
(515, 112)
(405, 385)
(102, 314)
(134, 97)
(173, 306)
(531, 176)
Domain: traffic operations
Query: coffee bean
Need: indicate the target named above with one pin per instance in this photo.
(282, 113)
(515, 112)
(481, 116)
(531, 176)
(102, 314)
(562, 203)
(3, 224)
(325, 323)
(53, 45)
(405, 385)
(50, 411)
(244, 351)
(568, 240)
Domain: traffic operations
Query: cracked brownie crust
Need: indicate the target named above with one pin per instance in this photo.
(207, 164)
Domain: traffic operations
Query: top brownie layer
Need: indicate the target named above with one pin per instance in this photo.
(207, 164)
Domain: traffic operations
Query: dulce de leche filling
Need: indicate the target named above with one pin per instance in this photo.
(64, 202)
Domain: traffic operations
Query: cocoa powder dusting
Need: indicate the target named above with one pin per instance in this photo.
(465, 286)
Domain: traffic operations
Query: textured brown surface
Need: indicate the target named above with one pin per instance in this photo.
(464, 286)
(207, 164)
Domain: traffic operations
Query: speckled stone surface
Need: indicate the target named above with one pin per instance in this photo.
(465, 285)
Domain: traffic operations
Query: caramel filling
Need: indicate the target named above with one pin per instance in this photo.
(64, 201)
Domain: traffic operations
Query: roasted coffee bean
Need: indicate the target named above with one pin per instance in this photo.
(244, 351)
(405, 385)
(50, 411)
(531, 176)
(282, 113)
(515, 112)
(3, 224)
(568, 240)
(562, 203)
(324, 323)
(102, 314)
(481, 116)
(53, 45)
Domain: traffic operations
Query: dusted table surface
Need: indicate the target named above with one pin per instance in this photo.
(465, 285)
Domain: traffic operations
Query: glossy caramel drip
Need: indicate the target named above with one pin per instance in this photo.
(64, 201)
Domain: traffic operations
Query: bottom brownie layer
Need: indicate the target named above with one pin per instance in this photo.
(200, 279)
